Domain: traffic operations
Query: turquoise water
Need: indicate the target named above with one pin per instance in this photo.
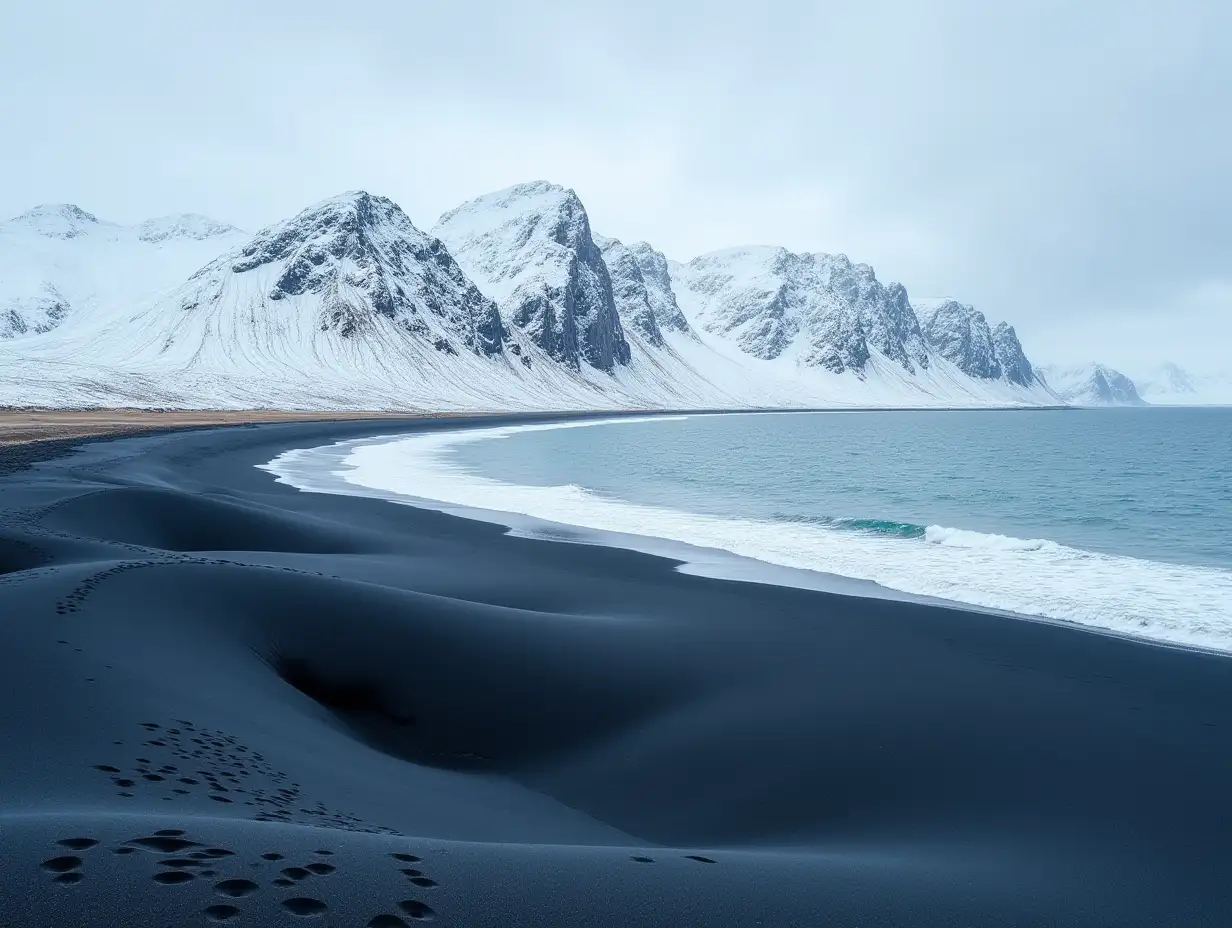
(1154, 484)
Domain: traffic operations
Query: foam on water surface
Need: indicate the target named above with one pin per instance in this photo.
(1168, 602)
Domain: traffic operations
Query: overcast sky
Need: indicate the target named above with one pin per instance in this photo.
(1066, 166)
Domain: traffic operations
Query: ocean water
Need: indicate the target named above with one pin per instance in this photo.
(1119, 519)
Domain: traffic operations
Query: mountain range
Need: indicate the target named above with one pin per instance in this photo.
(511, 301)
(1167, 384)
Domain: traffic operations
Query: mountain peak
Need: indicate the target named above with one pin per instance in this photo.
(58, 220)
(533, 196)
(358, 200)
(360, 256)
(1014, 363)
(530, 248)
(337, 224)
(960, 334)
(1093, 384)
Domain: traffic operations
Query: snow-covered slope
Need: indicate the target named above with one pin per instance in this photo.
(57, 261)
(821, 310)
(349, 305)
(1171, 384)
(530, 248)
(1092, 385)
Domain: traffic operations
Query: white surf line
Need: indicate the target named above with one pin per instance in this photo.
(1168, 603)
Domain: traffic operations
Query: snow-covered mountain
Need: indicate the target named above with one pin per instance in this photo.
(1015, 367)
(58, 260)
(60, 221)
(1092, 385)
(358, 262)
(960, 334)
(530, 248)
(349, 305)
(1171, 384)
(819, 310)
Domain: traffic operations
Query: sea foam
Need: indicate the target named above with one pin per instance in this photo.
(1175, 603)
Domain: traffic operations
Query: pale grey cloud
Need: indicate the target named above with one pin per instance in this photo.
(1060, 165)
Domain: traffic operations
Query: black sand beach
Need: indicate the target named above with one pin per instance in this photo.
(229, 701)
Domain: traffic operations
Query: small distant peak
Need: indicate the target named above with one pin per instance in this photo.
(58, 220)
(184, 226)
(737, 252)
(50, 211)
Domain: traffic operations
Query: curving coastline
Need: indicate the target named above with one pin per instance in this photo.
(550, 733)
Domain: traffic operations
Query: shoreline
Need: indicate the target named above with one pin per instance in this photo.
(317, 470)
(506, 708)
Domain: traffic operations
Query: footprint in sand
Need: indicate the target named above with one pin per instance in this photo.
(305, 907)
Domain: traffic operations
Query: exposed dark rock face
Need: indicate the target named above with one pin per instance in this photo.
(642, 289)
(35, 314)
(960, 334)
(629, 291)
(1014, 364)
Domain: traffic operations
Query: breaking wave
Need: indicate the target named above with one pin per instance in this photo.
(933, 534)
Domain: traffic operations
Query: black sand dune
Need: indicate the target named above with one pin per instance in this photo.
(228, 701)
